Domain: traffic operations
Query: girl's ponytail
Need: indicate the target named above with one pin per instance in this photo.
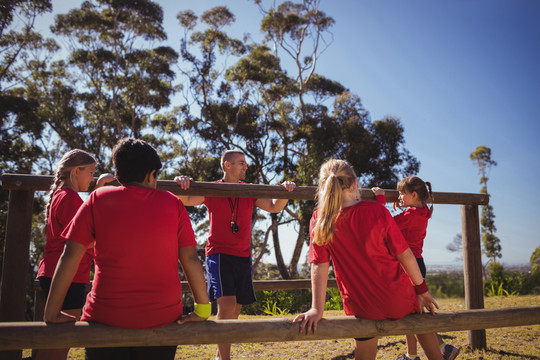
(428, 184)
(335, 176)
(70, 160)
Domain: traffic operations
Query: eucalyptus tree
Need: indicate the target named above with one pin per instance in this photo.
(122, 75)
(20, 128)
(481, 157)
(287, 125)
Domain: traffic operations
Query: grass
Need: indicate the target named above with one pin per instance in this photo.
(517, 343)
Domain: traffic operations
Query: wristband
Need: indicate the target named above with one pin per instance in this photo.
(203, 310)
(422, 288)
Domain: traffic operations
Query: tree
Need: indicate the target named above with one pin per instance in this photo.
(20, 45)
(481, 157)
(122, 78)
(286, 125)
(456, 246)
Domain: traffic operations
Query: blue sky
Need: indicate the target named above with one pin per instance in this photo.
(458, 74)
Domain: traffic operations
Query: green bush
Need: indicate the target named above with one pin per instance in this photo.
(279, 302)
(446, 285)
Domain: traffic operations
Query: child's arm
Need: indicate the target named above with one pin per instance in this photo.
(410, 265)
(379, 195)
(104, 179)
(195, 277)
(65, 271)
(319, 282)
(192, 200)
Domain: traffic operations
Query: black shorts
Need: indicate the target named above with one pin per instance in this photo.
(422, 266)
(364, 339)
(229, 275)
(75, 297)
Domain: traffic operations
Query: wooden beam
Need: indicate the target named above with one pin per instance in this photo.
(472, 269)
(39, 335)
(43, 183)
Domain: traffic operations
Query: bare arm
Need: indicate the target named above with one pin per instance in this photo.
(195, 277)
(65, 271)
(188, 200)
(275, 205)
(319, 283)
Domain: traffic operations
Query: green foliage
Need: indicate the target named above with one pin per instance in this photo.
(495, 290)
(333, 300)
(274, 302)
(446, 285)
(492, 244)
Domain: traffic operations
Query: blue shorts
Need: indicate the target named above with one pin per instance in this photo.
(75, 297)
(229, 275)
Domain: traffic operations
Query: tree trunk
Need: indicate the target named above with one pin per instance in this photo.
(293, 266)
(284, 272)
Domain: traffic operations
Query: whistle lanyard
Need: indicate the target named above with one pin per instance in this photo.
(234, 205)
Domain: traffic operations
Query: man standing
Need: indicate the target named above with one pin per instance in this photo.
(228, 251)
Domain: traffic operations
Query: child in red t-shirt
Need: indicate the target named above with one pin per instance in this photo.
(368, 255)
(414, 194)
(74, 173)
(140, 234)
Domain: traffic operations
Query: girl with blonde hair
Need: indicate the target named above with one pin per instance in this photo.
(368, 256)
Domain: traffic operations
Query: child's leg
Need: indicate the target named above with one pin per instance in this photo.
(430, 344)
(365, 349)
(412, 349)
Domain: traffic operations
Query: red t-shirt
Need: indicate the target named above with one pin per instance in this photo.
(221, 238)
(64, 205)
(137, 233)
(413, 223)
(372, 283)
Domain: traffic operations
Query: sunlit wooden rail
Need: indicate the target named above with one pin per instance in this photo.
(19, 226)
(39, 335)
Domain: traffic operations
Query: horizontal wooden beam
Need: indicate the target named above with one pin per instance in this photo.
(43, 183)
(39, 335)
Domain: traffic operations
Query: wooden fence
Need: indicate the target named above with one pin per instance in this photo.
(19, 225)
(39, 335)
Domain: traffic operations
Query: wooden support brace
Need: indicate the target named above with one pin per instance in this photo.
(39, 335)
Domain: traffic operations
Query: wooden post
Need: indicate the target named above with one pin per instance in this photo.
(16, 258)
(472, 269)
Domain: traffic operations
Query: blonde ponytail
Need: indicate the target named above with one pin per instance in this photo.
(335, 176)
(71, 160)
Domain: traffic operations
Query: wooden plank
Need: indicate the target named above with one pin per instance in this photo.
(25, 335)
(472, 269)
(43, 183)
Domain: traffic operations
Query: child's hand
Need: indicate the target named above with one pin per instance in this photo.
(183, 181)
(61, 317)
(104, 179)
(288, 185)
(191, 317)
(377, 191)
(309, 320)
(426, 301)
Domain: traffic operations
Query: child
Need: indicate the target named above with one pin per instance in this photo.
(368, 255)
(140, 234)
(414, 194)
(75, 172)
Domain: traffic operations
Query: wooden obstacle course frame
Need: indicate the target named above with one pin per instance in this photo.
(19, 226)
